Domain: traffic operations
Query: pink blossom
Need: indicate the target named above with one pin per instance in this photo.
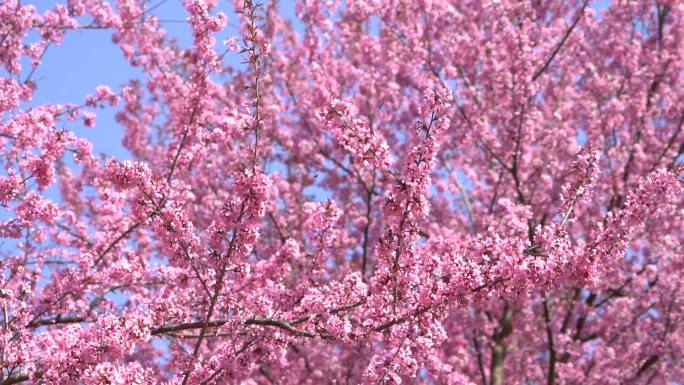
(383, 192)
(89, 118)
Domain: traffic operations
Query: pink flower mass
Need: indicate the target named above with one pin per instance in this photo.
(364, 192)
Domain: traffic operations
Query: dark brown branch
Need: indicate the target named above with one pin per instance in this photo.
(116, 241)
(58, 320)
(267, 373)
(551, 374)
(581, 320)
(172, 167)
(499, 347)
(366, 229)
(210, 312)
(568, 314)
(188, 326)
(15, 379)
(480, 363)
(669, 144)
(650, 361)
(277, 227)
(75, 235)
(560, 45)
(285, 325)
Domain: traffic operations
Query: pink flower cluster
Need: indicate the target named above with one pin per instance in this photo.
(356, 136)
(384, 192)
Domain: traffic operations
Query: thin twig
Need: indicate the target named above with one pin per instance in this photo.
(546, 65)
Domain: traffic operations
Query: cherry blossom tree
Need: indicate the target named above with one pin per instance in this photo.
(384, 192)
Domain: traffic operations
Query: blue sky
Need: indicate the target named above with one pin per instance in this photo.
(88, 58)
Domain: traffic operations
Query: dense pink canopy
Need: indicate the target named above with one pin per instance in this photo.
(396, 191)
